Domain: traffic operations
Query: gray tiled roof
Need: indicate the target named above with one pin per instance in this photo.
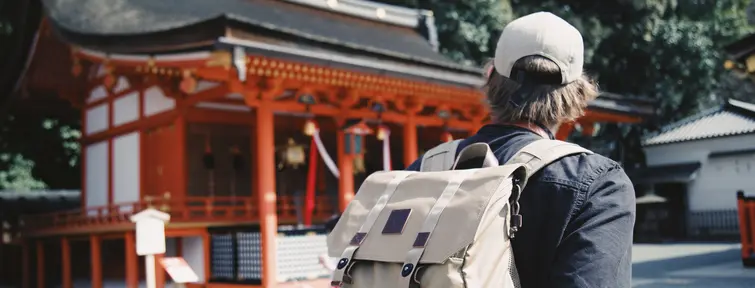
(100, 20)
(733, 118)
(14, 195)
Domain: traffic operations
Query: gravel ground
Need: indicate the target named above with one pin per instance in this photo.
(689, 265)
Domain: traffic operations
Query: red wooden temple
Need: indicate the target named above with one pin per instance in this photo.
(197, 108)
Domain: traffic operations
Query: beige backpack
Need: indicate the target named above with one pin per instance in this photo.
(439, 227)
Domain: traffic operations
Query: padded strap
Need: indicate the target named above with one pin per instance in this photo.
(420, 242)
(540, 153)
(440, 158)
(477, 150)
(534, 157)
(372, 216)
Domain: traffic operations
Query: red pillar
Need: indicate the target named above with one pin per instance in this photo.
(309, 198)
(132, 264)
(65, 258)
(410, 140)
(40, 264)
(96, 255)
(346, 171)
(265, 137)
(182, 176)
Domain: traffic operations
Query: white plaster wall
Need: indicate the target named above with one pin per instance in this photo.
(126, 169)
(193, 253)
(121, 85)
(204, 85)
(155, 101)
(720, 178)
(126, 109)
(692, 151)
(97, 119)
(97, 93)
(96, 175)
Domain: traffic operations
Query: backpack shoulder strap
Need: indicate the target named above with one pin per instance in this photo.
(540, 153)
(440, 158)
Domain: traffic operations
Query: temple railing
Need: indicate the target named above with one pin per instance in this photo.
(216, 209)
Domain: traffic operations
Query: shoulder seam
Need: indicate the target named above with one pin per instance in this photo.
(588, 180)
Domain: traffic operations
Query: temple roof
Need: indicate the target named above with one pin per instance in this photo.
(740, 49)
(14, 202)
(352, 27)
(733, 118)
(619, 104)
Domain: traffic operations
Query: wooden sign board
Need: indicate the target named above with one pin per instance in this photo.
(150, 231)
(179, 270)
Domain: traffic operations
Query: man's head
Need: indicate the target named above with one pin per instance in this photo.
(537, 72)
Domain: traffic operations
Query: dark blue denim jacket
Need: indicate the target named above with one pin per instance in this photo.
(578, 217)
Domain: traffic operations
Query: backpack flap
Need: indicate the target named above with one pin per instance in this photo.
(385, 229)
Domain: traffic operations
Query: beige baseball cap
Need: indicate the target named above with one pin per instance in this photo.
(542, 34)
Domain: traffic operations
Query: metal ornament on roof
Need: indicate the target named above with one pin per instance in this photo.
(239, 62)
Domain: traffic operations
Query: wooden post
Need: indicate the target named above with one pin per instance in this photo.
(206, 245)
(132, 264)
(564, 130)
(40, 264)
(265, 137)
(65, 258)
(346, 171)
(410, 140)
(96, 260)
(588, 129)
(182, 175)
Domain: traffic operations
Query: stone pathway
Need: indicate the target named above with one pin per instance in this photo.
(689, 265)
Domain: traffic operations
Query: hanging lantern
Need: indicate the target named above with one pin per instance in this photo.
(359, 166)
(293, 154)
(382, 131)
(208, 159)
(309, 127)
(354, 132)
(237, 160)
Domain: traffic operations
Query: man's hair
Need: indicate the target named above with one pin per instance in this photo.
(546, 104)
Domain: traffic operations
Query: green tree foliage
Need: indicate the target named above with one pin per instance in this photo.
(40, 149)
(468, 29)
(664, 49)
(39, 133)
(668, 50)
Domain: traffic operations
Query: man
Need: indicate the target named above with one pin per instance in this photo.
(578, 212)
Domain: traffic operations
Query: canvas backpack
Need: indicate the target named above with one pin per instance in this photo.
(439, 227)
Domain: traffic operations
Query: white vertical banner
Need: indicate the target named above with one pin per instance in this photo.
(387, 150)
(325, 156)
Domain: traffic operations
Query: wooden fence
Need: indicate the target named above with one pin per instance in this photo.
(746, 209)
